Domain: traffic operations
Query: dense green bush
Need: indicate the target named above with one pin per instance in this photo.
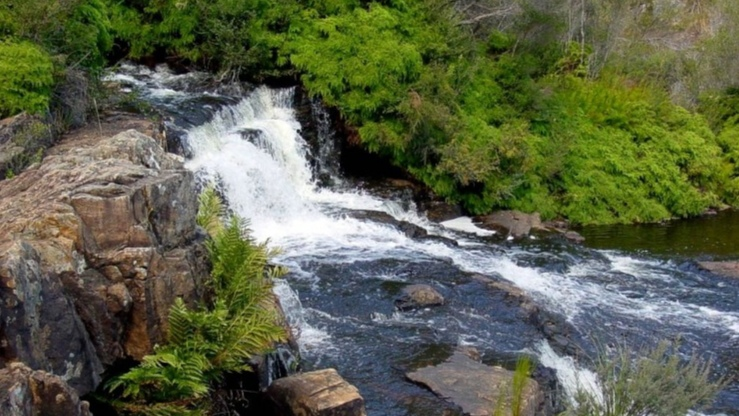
(26, 78)
(528, 107)
(40, 40)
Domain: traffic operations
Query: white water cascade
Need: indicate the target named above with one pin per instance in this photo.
(255, 154)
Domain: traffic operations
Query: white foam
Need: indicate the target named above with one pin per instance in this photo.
(466, 225)
(571, 376)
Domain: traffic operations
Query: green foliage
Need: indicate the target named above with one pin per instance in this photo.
(26, 78)
(657, 383)
(536, 106)
(513, 400)
(75, 32)
(204, 343)
(359, 61)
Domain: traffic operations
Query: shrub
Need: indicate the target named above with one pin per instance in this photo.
(26, 78)
(656, 383)
(205, 343)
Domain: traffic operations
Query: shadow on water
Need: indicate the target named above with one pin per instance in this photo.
(713, 236)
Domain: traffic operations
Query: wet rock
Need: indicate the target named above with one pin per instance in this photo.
(418, 296)
(574, 236)
(24, 392)
(440, 211)
(514, 223)
(553, 326)
(95, 245)
(476, 387)
(317, 393)
(722, 268)
(512, 293)
(409, 229)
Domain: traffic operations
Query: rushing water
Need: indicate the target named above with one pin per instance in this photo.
(346, 272)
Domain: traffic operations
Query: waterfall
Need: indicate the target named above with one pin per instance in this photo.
(346, 270)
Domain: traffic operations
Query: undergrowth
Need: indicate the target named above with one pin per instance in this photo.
(205, 342)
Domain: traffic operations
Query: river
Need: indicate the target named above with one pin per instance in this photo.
(627, 285)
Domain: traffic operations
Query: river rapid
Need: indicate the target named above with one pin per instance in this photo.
(626, 285)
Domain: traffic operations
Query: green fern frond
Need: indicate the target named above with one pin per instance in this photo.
(210, 211)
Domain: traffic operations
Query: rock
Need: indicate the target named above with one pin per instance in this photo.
(96, 243)
(317, 393)
(476, 387)
(418, 296)
(562, 228)
(574, 236)
(440, 211)
(22, 137)
(407, 228)
(722, 268)
(512, 293)
(514, 223)
(24, 392)
(554, 326)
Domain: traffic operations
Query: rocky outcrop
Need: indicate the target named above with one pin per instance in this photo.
(27, 392)
(477, 388)
(96, 242)
(317, 393)
(721, 268)
(418, 296)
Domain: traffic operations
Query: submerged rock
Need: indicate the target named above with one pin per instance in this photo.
(317, 393)
(418, 296)
(27, 392)
(96, 243)
(475, 387)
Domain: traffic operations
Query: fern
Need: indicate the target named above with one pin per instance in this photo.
(205, 343)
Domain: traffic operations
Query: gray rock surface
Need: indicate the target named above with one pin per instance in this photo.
(38, 393)
(96, 243)
(722, 268)
(475, 387)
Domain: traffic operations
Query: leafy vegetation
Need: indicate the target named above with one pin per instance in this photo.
(659, 383)
(26, 78)
(567, 108)
(40, 40)
(514, 399)
(206, 342)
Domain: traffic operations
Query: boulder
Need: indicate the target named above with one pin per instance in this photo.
(418, 296)
(722, 268)
(317, 393)
(475, 387)
(96, 242)
(27, 392)
(574, 236)
(513, 223)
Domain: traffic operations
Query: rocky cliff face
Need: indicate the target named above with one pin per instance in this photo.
(96, 242)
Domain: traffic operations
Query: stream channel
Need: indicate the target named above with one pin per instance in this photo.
(626, 285)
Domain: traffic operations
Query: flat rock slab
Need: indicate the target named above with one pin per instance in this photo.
(476, 387)
(317, 393)
(723, 268)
